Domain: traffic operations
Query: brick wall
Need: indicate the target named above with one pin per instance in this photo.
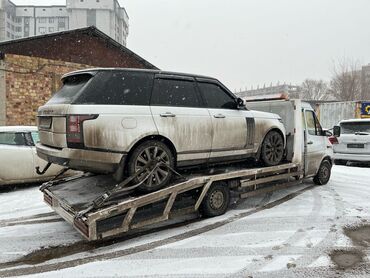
(29, 83)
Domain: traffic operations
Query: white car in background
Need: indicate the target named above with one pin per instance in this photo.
(18, 157)
(351, 141)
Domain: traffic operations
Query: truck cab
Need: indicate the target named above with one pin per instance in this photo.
(307, 142)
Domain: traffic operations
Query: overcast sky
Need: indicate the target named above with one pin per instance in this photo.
(247, 42)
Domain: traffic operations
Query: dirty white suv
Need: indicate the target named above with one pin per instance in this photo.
(121, 120)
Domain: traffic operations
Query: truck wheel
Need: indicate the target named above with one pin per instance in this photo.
(216, 200)
(340, 162)
(148, 153)
(323, 174)
(272, 150)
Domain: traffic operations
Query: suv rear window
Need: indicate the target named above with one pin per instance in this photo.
(117, 88)
(72, 85)
(352, 127)
(106, 87)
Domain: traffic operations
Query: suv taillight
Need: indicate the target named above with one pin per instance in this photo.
(333, 140)
(75, 129)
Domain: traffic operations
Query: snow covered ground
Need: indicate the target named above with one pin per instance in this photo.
(294, 235)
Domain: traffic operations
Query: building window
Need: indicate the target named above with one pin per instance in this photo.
(18, 29)
(8, 34)
(18, 19)
(61, 22)
(51, 20)
(51, 29)
(42, 30)
(25, 10)
(8, 25)
(91, 17)
(42, 19)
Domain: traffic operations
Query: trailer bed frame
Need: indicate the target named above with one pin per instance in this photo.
(137, 211)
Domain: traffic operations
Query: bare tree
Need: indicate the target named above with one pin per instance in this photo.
(315, 90)
(346, 81)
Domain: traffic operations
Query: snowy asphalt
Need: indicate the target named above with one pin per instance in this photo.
(294, 234)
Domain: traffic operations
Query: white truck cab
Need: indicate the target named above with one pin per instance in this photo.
(312, 147)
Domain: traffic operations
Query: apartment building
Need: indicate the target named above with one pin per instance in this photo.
(25, 21)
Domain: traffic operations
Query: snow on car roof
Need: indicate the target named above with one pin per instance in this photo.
(18, 128)
(355, 120)
(94, 70)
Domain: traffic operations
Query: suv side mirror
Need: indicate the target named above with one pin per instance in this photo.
(240, 102)
(336, 131)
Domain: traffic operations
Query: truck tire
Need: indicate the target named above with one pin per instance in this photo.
(340, 162)
(272, 149)
(323, 174)
(143, 154)
(216, 201)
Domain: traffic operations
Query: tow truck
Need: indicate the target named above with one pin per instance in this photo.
(98, 207)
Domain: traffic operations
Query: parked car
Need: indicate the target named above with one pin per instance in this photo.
(351, 141)
(119, 120)
(18, 157)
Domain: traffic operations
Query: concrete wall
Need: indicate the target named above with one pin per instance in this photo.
(2, 94)
(29, 83)
(77, 18)
(90, 4)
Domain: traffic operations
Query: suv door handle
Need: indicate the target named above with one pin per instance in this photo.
(167, 115)
(309, 143)
(219, 116)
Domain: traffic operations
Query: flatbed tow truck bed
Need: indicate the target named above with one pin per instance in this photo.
(70, 197)
(99, 208)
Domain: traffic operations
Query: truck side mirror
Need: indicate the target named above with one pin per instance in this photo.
(327, 133)
(336, 131)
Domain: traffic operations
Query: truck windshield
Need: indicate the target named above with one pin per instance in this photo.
(353, 127)
(72, 86)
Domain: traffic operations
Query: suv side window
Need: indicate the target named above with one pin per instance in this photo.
(171, 92)
(35, 137)
(118, 88)
(313, 125)
(10, 138)
(216, 97)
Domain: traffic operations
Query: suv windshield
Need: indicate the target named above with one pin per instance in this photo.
(72, 85)
(352, 127)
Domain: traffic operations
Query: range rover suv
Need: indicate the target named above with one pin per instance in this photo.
(119, 120)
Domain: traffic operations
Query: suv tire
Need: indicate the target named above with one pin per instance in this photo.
(272, 149)
(149, 152)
